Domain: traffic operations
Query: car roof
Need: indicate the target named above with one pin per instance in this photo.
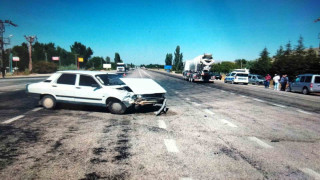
(85, 72)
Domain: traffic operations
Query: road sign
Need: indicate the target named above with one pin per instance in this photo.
(80, 59)
(15, 59)
(55, 58)
(107, 66)
(168, 67)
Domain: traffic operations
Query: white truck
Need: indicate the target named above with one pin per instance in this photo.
(121, 67)
(198, 69)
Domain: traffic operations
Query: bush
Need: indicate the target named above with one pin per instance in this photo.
(43, 67)
(69, 67)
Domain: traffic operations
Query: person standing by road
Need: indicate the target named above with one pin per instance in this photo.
(276, 79)
(267, 82)
(283, 82)
(3, 71)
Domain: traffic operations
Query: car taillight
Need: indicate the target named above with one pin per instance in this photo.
(311, 85)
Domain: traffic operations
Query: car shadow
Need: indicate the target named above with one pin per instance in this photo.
(89, 108)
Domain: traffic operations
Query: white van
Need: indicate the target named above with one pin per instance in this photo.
(238, 76)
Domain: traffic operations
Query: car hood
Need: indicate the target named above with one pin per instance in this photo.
(143, 85)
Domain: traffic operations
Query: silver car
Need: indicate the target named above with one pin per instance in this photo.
(306, 83)
(256, 79)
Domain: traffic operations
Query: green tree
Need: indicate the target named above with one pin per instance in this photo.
(240, 63)
(288, 50)
(82, 51)
(96, 62)
(117, 58)
(263, 64)
(300, 47)
(108, 60)
(22, 52)
(168, 59)
(178, 59)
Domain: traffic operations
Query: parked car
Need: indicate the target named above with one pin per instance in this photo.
(306, 83)
(256, 79)
(97, 88)
(237, 76)
(217, 76)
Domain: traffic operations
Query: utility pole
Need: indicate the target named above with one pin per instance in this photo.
(2, 43)
(30, 40)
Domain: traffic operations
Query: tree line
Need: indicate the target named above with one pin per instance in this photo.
(288, 60)
(42, 54)
(177, 64)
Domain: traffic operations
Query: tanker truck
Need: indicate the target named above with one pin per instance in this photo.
(197, 70)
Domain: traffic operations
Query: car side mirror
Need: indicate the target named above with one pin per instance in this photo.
(95, 85)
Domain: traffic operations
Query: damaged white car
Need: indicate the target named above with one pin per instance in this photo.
(98, 88)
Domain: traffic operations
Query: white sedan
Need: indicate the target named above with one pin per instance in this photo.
(97, 88)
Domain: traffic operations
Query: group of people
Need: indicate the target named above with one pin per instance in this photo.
(277, 81)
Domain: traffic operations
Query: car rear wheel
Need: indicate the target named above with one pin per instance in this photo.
(48, 102)
(117, 107)
(305, 91)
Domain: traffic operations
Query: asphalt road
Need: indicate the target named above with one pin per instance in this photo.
(209, 132)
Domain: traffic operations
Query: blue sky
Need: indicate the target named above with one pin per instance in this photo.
(144, 31)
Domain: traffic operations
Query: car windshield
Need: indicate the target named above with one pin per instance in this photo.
(110, 79)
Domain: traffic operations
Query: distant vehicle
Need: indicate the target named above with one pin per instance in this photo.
(121, 67)
(197, 70)
(217, 76)
(98, 88)
(238, 76)
(306, 83)
(256, 79)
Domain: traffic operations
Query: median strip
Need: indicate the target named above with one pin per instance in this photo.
(12, 119)
(209, 112)
(259, 142)
(228, 123)
(311, 173)
(259, 100)
(304, 112)
(162, 124)
(171, 145)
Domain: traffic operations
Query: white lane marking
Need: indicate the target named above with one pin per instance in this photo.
(259, 100)
(231, 93)
(196, 104)
(140, 73)
(162, 124)
(187, 99)
(176, 92)
(222, 91)
(171, 145)
(209, 112)
(36, 109)
(186, 178)
(311, 173)
(146, 73)
(228, 123)
(279, 105)
(243, 96)
(12, 119)
(305, 112)
(260, 142)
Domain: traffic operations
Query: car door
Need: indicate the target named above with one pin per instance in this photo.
(88, 90)
(295, 86)
(316, 84)
(63, 88)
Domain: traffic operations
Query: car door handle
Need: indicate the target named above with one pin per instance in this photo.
(78, 87)
(54, 85)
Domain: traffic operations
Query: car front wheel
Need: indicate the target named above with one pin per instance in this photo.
(48, 102)
(117, 107)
